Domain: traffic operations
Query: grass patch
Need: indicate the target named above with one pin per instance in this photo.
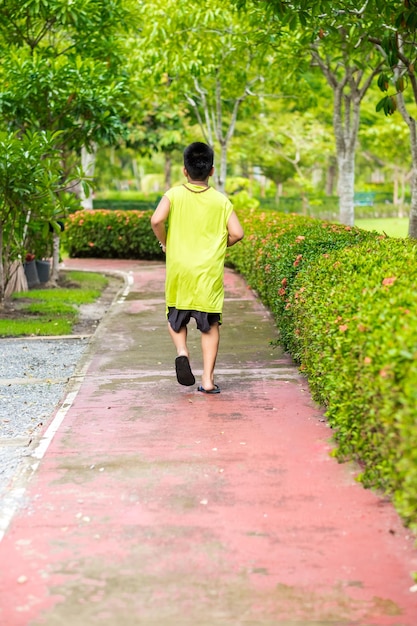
(38, 327)
(391, 226)
(53, 310)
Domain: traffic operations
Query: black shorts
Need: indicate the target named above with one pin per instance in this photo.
(178, 318)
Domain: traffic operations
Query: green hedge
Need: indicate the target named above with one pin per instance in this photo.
(355, 333)
(345, 303)
(111, 234)
(275, 248)
(327, 207)
(115, 204)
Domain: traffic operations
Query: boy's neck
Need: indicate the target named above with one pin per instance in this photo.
(198, 182)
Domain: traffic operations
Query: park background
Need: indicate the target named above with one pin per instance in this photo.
(311, 109)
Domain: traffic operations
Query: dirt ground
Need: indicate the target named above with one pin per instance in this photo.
(91, 314)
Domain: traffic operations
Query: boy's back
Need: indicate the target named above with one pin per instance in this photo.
(196, 247)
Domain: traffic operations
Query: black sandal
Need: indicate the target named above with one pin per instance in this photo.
(183, 371)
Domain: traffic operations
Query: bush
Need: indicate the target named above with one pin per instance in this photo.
(111, 234)
(276, 247)
(356, 337)
(342, 299)
(124, 204)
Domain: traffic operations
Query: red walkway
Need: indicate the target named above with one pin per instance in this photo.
(154, 504)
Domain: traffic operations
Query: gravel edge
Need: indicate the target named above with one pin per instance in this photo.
(35, 377)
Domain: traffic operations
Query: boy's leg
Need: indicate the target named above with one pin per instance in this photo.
(182, 363)
(180, 340)
(209, 346)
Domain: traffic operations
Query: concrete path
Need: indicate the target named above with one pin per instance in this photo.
(151, 504)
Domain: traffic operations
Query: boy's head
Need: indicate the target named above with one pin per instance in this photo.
(198, 160)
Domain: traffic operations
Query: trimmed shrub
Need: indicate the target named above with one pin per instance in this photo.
(276, 247)
(344, 301)
(125, 204)
(355, 333)
(111, 234)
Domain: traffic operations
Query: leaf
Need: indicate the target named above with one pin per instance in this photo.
(383, 82)
(381, 104)
(86, 188)
(400, 84)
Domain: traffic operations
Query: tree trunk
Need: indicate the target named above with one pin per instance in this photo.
(412, 226)
(331, 177)
(88, 163)
(222, 171)
(395, 199)
(412, 126)
(346, 164)
(346, 115)
(16, 280)
(403, 186)
(55, 259)
(278, 192)
(136, 173)
(348, 95)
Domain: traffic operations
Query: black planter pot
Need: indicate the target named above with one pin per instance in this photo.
(44, 269)
(31, 274)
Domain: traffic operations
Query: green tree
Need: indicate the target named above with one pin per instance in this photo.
(60, 68)
(334, 40)
(31, 188)
(288, 143)
(378, 151)
(205, 54)
(60, 72)
(390, 25)
(161, 125)
(395, 39)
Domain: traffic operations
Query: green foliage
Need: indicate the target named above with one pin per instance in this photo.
(215, 69)
(75, 96)
(243, 201)
(343, 300)
(132, 195)
(111, 234)
(276, 247)
(64, 72)
(30, 198)
(29, 171)
(60, 71)
(135, 204)
(357, 340)
(387, 104)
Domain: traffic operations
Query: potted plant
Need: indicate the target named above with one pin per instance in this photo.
(31, 271)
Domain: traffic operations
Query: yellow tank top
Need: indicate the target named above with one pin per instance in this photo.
(196, 248)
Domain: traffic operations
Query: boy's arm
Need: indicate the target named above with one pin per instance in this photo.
(158, 220)
(234, 229)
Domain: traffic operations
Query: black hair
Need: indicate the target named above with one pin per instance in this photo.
(198, 160)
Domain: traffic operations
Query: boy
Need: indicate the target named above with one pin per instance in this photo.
(201, 224)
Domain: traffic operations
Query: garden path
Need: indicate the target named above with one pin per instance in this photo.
(147, 503)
